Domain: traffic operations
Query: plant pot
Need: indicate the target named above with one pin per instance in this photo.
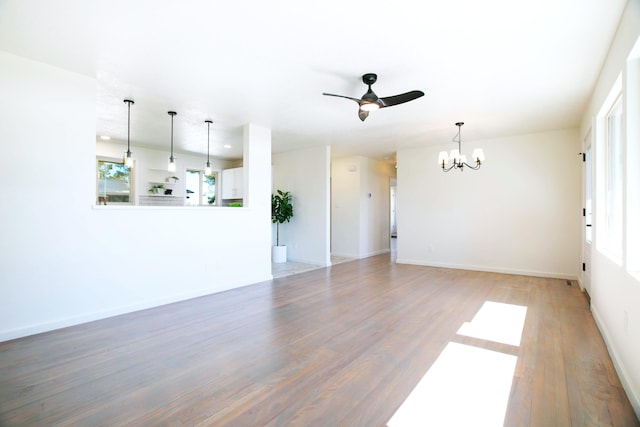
(279, 254)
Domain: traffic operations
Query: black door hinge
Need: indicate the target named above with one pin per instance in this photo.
(584, 267)
(584, 211)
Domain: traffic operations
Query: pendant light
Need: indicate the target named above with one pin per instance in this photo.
(128, 160)
(457, 160)
(172, 160)
(207, 169)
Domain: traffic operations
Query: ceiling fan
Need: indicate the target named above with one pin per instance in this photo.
(371, 102)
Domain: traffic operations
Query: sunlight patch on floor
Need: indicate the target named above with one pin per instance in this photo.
(497, 322)
(466, 386)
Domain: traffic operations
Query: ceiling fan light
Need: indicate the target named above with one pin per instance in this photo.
(369, 106)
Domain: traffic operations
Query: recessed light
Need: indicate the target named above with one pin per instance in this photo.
(105, 137)
(227, 146)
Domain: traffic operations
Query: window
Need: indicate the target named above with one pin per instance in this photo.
(588, 197)
(201, 188)
(632, 156)
(114, 182)
(614, 180)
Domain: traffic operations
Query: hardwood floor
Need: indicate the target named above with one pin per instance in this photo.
(343, 345)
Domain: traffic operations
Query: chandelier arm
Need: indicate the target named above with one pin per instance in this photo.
(449, 168)
(475, 168)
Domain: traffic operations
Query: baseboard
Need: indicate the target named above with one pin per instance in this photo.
(361, 256)
(116, 311)
(632, 394)
(517, 272)
(309, 261)
(374, 253)
(345, 255)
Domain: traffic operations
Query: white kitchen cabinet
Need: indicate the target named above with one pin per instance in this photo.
(232, 183)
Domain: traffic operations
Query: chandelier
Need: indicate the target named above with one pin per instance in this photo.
(458, 160)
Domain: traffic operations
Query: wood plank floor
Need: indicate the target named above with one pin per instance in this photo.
(338, 346)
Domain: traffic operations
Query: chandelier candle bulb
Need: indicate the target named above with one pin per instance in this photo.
(443, 158)
(455, 156)
(478, 155)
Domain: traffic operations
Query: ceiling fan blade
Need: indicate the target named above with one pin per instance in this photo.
(400, 99)
(362, 114)
(342, 96)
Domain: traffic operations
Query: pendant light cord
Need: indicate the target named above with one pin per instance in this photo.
(459, 136)
(129, 102)
(171, 113)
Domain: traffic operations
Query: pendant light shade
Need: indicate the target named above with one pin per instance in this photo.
(128, 159)
(172, 160)
(207, 169)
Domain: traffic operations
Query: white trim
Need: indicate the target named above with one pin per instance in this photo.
(374, 253)
(361, 256)
(309, 261)
(514, 271)
(633, 396)
(171, 208)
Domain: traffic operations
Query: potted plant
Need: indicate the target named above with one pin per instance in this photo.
(281, 212)
(156, 188)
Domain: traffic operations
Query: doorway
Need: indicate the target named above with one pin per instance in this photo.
(393, 220)
(587, 214)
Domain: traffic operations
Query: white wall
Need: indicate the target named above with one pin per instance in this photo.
(345, 207)
(614, 291)
(64, 260)
(520, 213)
(305, 174)
(360, 206)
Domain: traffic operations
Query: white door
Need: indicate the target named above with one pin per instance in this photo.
(587, 213)
(392, 208)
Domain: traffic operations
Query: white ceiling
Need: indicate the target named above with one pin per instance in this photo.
(503, 67)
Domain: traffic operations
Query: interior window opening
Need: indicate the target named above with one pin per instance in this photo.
(113, 182)
(200, 188)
